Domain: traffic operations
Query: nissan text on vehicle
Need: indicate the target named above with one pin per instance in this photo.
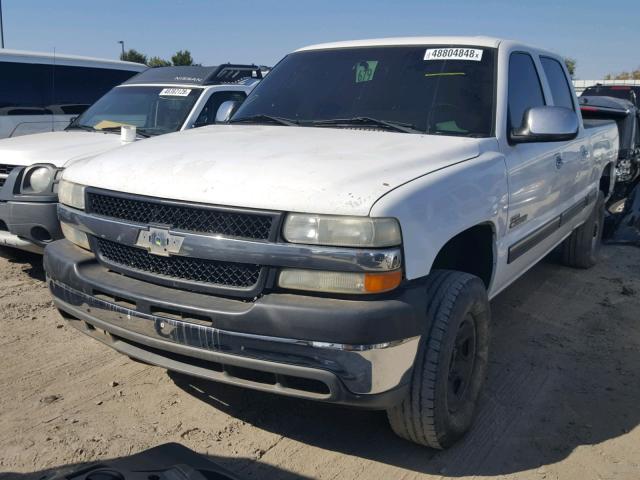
(341, 238)
(155, 102)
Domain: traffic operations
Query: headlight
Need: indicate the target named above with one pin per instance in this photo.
(71, 194)
(342, 231)
(38, 179)
(75, 236)
(339, 282)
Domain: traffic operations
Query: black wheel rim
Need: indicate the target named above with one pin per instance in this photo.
(461, 365)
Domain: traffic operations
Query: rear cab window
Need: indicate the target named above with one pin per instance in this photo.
(558, 83)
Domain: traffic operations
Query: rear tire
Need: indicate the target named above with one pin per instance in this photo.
(582, 247)
(451, 364)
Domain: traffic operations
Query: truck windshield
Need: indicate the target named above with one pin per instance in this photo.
(416, 89)
(152, 110)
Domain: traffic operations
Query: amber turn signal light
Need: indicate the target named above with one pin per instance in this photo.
(339, 282)
(382, 282)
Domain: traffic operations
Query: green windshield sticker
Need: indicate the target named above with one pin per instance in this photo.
(365, 71)
(449, 126)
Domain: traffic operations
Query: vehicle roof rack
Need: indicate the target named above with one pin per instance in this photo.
(227, 73)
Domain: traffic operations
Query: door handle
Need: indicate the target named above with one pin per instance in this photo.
(559, 161)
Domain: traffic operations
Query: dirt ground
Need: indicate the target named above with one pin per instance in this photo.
(562, 398)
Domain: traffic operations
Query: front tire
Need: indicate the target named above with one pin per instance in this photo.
(451, 363)
(582, 247)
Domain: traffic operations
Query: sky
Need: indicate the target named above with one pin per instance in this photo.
(604, 37)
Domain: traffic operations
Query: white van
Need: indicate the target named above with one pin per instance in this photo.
(155, 102)
(42, 92)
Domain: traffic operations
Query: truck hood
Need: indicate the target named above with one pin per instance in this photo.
(304, 169)
(57, 148)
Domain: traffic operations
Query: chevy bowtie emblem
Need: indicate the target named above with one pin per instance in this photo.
(159, 242)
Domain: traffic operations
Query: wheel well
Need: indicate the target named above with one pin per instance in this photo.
(470, 251)
(605, 180)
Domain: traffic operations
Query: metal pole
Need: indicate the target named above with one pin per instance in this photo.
(121, 42)
(1, 28)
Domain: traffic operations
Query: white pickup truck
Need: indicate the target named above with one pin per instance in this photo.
(156, 101)
(341, 238)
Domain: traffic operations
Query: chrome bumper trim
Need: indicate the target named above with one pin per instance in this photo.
(8, 239)
(217, 247)
(364, 369)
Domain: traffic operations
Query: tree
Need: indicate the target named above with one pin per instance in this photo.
(571, 65)
(158, 62)
(633, 75)
(132, 55)
(182, 57)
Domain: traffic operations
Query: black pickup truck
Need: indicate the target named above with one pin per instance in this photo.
(625, 112)
(623, 213)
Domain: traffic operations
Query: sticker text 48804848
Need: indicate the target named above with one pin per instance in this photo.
(474, 54)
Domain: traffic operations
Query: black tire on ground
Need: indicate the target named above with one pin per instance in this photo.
(451, 363)
(581, 248)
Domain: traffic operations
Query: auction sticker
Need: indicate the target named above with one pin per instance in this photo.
(365, 71)
(175, 92)
(474, 54)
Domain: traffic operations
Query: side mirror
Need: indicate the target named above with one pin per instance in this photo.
(546, 124)
(226, 111)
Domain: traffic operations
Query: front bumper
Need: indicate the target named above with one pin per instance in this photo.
(27, 222)
(28, 225)
(357, 352)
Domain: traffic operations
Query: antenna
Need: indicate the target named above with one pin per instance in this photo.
(53, 88)
(1, 28)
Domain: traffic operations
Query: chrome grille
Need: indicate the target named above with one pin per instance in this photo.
(209, 272)
(188, 217)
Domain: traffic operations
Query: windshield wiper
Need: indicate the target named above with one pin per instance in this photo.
(143, 132)
(77, 126)
(117, 129)
(397, 126)
(268, 118)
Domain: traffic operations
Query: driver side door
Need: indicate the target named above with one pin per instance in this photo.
(534, 174)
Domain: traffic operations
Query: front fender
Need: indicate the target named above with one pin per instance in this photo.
(434, 208)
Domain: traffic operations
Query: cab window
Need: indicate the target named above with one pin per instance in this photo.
(562, 96)
(525, 90)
